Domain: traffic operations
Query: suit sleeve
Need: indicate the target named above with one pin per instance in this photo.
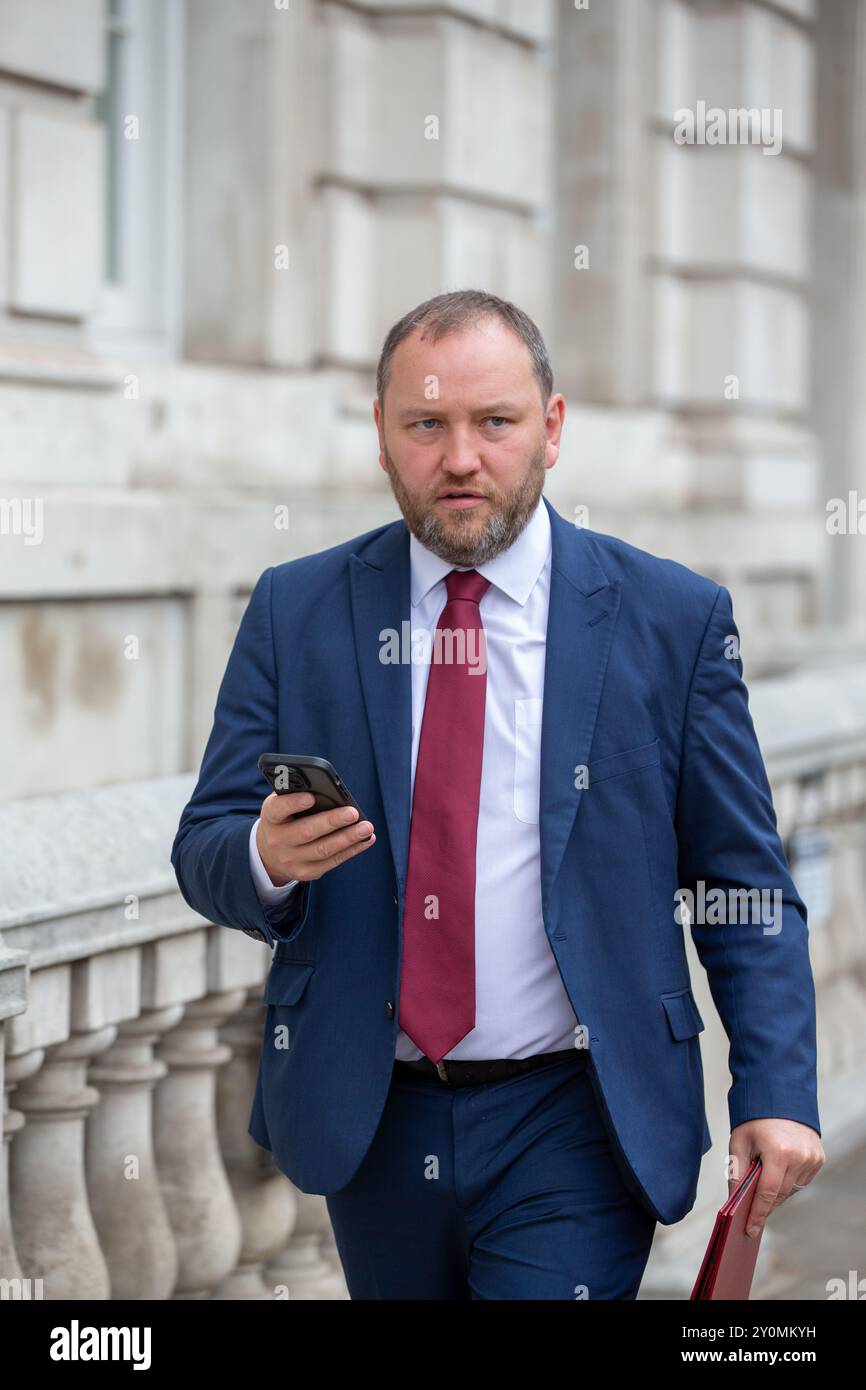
(210, 854)
(757, 961)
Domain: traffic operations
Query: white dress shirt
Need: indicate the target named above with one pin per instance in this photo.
(521, 1006)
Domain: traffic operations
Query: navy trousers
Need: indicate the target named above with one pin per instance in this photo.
(506, 1190)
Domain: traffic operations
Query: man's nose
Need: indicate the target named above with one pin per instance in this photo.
(460, 457)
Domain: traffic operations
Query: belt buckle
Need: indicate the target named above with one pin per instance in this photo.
(443, 1075)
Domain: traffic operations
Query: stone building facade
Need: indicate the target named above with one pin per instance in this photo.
(210, 214)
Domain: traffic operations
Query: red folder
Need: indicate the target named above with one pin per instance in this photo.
(729, 1262)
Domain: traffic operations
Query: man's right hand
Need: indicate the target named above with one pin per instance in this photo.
(306, 847)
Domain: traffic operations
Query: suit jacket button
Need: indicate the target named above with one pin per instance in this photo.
(389, 1008)
(395, 902)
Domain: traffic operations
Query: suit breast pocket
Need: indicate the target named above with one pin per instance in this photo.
(527, 759)
(630, 760)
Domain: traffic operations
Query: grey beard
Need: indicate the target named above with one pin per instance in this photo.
(497, 536)
(499, 532)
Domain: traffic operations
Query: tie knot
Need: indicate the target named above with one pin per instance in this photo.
(466, 584)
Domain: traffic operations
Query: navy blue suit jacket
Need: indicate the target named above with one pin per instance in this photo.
(641, 689)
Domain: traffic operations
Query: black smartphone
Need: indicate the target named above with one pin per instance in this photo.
(298, 772)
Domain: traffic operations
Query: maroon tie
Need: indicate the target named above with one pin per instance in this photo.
(437, 976)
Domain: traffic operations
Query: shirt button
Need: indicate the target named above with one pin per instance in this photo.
(395, 902)
(389, 1008)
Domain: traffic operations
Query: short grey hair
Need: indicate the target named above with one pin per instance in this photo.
(459, 310)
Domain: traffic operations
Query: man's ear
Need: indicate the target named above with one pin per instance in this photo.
(377, 417)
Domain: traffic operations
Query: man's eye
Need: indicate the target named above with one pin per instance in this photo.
(419, 424)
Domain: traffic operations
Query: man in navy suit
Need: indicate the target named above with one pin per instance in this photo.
(480, 1041)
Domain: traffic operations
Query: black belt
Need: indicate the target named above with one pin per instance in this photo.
(472, 1073)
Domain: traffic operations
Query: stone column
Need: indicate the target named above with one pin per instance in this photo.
(330, 1251)
(839, 306)
(253, 114)
(9, 1266)
(54, 1231)
(691, 303)
(301, 1269)
(197, 1193)
(125, 1195)
(13, 1000)
(265, 1198)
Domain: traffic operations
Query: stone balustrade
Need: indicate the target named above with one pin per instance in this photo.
(130, 1031)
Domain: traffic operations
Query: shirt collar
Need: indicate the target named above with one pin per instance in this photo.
(515, 571)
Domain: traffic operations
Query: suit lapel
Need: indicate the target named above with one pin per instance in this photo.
(580, 624)
(381, 599)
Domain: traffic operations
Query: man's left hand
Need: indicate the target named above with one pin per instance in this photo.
(791, 1155)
